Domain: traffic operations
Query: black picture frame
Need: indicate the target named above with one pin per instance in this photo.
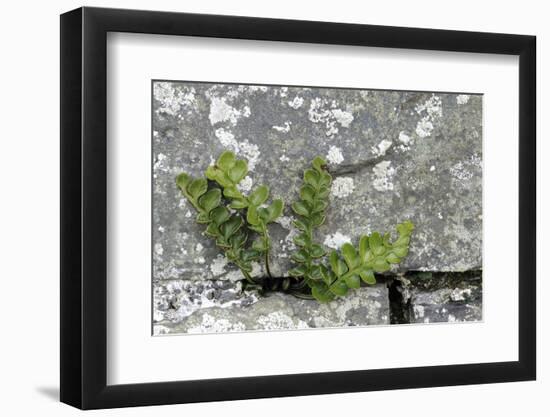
(84, 207)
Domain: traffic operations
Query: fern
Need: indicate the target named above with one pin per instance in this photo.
(345, 270)
(224, 227)
(226, 210)
(228, 172)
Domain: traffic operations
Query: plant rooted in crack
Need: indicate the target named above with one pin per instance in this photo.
(223, 207)
(227, 228)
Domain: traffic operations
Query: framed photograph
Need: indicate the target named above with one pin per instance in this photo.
(258, 208)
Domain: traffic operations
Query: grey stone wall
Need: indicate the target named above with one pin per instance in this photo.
(393, 155)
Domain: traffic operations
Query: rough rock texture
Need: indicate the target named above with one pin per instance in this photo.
(199, 314)
(446, 297)
(393, 155)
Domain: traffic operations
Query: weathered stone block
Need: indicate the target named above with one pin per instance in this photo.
(447, 297)
(394, 156)
(189, 309)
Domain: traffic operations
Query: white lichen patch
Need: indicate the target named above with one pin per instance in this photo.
(424, 127)
(336, 240)
(334, 155)
(283, 129)
(326, 112)
(464, 171)
(462, 99)
(404, 138)
(234, 276)
(343, 117)
(210, 324)
(217, 267)
(383, 174)
(460, 294)
(220, 112)
(159, 329)
(432, 107)
(248, 150)
(160, 163)
(159, 250)
(280, 321)
(245, 185)
(284, 158)
(172, 99)
(296, 103)
(382, 147)
(430, 110)
(418, 311)
(226, 138)
(199, 247)
(342, 187)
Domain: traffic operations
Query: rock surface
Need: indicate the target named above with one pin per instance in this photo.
(432, 298)
(393, 155)
(190, 311)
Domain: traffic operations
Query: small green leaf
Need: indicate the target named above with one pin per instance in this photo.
(259, 195)
(328, 277)
(401, 251)
(333, 260)
(239, 204)
(402, 241)
(223, 243)
(392, 258)
(259, 245)
(323, 192)
(350, 255)
(367, 275)
(219, 215)
(301, 256)
(301, 240)
(363, 248)
(263, 215)
(212, 230)
(319, 206)
(375, 240)
(317, 219)
(325, 180)
(182, 180)
(210, 200)
(353, 281)
(197, 187)
(317, 251)
(212, 173)
(252, 216)
(338, 266)
(319, 163)
(312, 178)
(315, 272)
(250, 255)
(322, 294)
(202, 218)
(226, 161)
(339, 288)
(238, 239)
(231, 226)
(301, 224)
(232, 192)
(300, 207)
(307, 193)
(274, 210)
(298, 271)
(238, 171)
(380, 265)
(405, 228)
